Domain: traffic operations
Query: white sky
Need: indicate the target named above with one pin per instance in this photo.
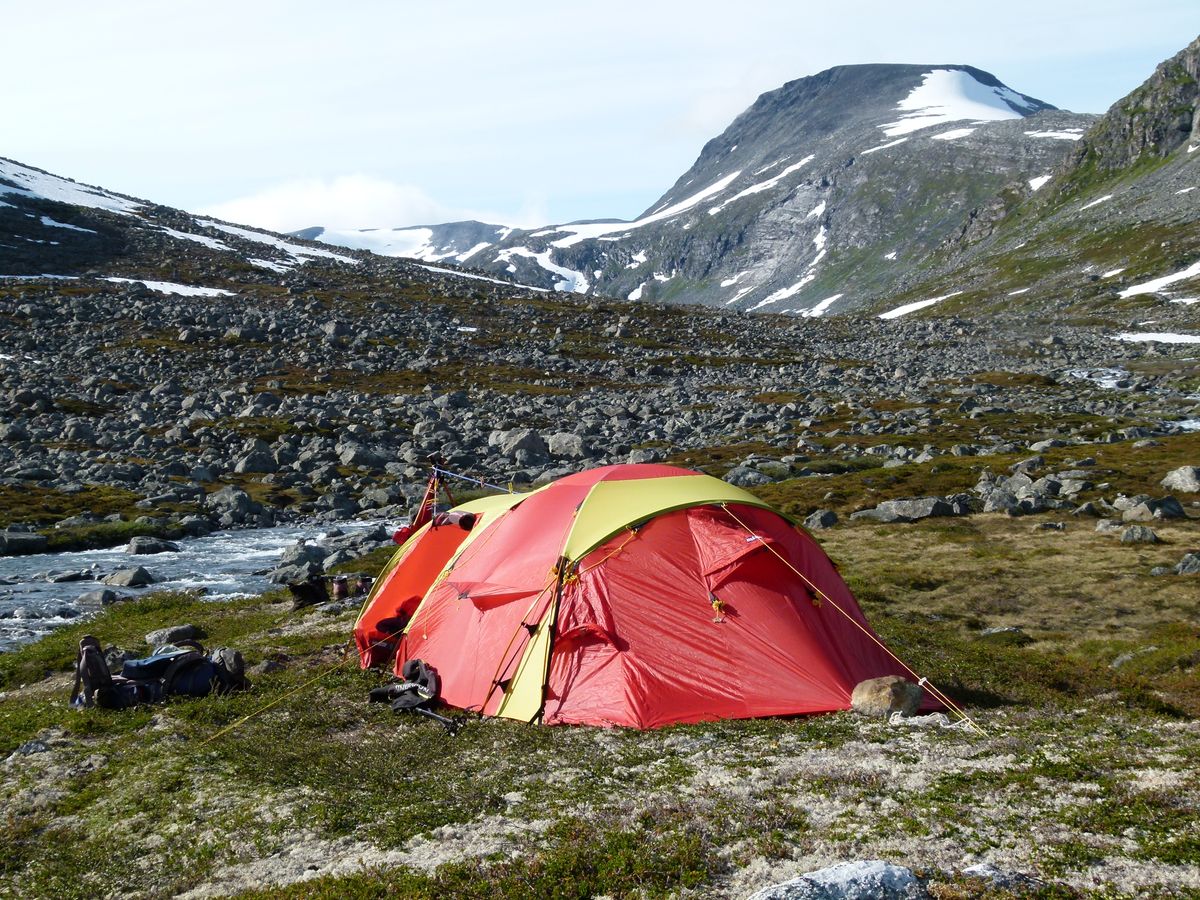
(289, 113)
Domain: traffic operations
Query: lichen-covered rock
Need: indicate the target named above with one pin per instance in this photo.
(1185, 479)
(871, 879)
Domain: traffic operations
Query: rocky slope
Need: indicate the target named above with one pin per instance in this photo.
(1115, 232)
(823, 195)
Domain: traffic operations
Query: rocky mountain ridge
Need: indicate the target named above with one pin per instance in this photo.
(1113, 233)
(823, 195)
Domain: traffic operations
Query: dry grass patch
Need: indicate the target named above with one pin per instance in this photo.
(996, 571)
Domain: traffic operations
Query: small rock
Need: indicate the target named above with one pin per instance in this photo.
(1004, 881)
(822, 518)
(883, 696)
(1139, 534)
(103, 597)
(266, 667)
(1189, 565)
(174, 633)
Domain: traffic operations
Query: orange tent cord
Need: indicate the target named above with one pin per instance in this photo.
(921, 680)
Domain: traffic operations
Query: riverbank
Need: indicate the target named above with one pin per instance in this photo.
(1080, 666)
(41, 592)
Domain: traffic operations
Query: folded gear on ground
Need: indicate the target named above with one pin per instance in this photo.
(184, 669)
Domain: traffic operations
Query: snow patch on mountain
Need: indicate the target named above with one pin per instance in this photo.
(298, 252)
(885, 146)
(1038, 182)
(414, 243)
(1096, 202)
(210, 242)
(575, 282)
(951, 95)
(588, 230)
(170, 287)
(1153, 287)
(50, 223)
(458, 274)
(763, 185)
(482, 245)
(953, 134)
(913, 307)
(1069, 134)
(31, 183)
(819, 310)
(1162, 337)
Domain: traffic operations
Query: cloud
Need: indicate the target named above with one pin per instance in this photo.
(346, 201)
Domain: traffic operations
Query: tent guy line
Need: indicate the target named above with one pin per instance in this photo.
(921, 679)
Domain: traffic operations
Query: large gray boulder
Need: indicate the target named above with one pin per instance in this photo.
(822, 518)
(524, 441)
(1185, 479)
(871, 879)
(135, 577)
(146, 544)
(910, 510)
(20, 543)
(565, 445)
(1150, 510)
(1139, 534)
(256, 461)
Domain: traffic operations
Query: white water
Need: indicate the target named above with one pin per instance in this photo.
(226, 564)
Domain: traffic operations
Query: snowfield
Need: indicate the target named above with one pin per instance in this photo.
(577, 233)
(298, 252)
(763, 185)
(952, 95)
(913, 307)
(1153, 287)
(34, 184)
(575, 282)
(170, 287)
(1162, 337)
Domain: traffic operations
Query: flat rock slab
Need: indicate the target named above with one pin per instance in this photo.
(174, 633)
(866, 880)
(21, 543)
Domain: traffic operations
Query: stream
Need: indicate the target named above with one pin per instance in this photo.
(226, 564)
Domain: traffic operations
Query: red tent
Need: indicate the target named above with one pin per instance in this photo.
(637, 595)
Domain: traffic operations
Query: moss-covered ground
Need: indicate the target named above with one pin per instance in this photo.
(1085, 775)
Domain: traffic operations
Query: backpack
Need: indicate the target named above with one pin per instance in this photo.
(182, 669)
